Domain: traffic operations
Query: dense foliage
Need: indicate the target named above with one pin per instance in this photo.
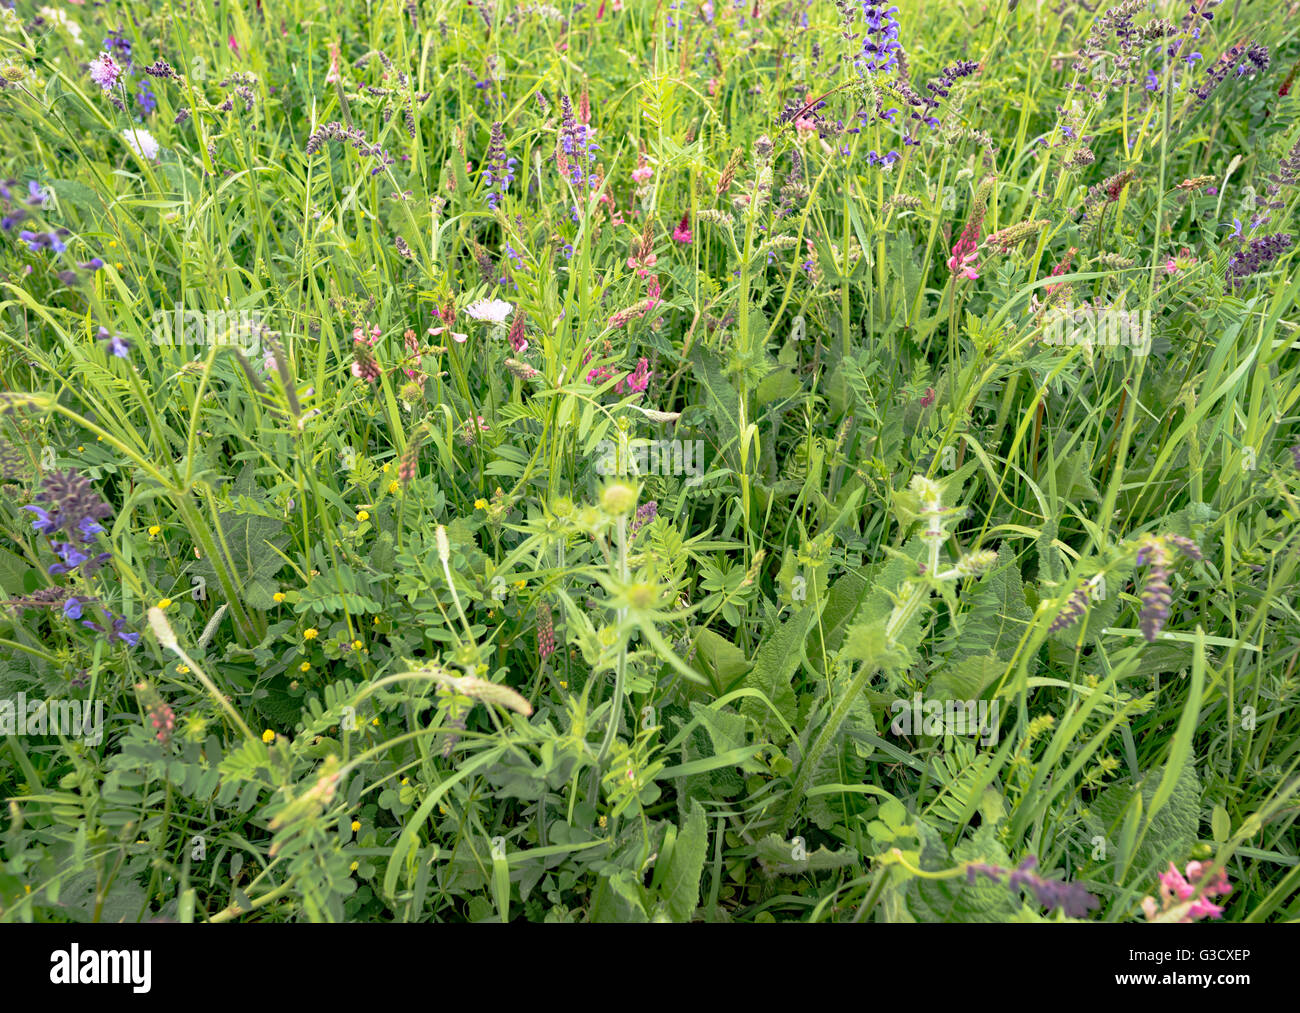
(626, 460)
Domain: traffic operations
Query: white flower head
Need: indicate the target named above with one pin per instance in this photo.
(496, 311)
(141, 142)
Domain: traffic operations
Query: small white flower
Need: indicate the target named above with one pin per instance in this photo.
(495, 311)
(141, 142)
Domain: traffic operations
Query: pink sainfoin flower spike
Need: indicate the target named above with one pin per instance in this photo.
(333, 74)
(964, 255)
(682, 234)
(639, 379)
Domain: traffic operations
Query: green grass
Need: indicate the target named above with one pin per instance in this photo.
(427, 659)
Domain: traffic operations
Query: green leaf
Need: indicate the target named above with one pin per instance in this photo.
(842, 603)
(617, 899)
(774, 667)
(681, 889)
(1172, 831)
(777, 856)
(997, 617)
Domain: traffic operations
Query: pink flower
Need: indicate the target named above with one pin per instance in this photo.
(642, 173)
(1177, 889)
(682, 234)
(964, 254)
(472, 429)
(104, 71)
(642, 266)
(460, 339)
(333, 74)
(638, 380)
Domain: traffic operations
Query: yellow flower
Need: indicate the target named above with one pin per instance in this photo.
(363, 515)
(268, 736)
(278, 597)
(406, 780)
(564, 684)
(480, 504)
(164, 602)
(112, 244)
(602, 821)
(385, 467)
(80, 449)
(394, 487)
(375, 722)
(311, 633)
(353, 866)
(356, 825)
(154, 529)
(521, 584)
(357, 645)
(305, 667)
(182, 669)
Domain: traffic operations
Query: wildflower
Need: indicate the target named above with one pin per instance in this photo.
(1071, 898)
(363, 515)
(480, 504)
(163, 603)
(311, 633)
(278, 597)
(332, 75)
(104, 71)
(522, 369)
(1188, 898)
(578, 149)
(880, 44)
(645, 513)
(268, 736)
(356, 825)
(682, 234)
(117, 345)
(409, 463)
(162, 719)
(1255, 257)
(729, 172)
(496, 311)
(472, 429)
(71, 506)
(305, 667)
(636, 381)
(1156, 593)
(154, 529)
(966, 251)
(145, 99)
(1075, 606)
(498, 171)
(141, 142)
(38, 241)
(517, 340)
